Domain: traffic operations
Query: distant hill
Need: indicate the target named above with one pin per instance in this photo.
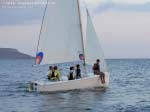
(9, 53)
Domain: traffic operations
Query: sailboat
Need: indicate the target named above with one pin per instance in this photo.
(62, 39)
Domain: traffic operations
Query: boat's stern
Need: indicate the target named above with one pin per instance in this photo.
(107, 75)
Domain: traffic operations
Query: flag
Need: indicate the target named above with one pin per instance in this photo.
(81, 57)
(39, 57)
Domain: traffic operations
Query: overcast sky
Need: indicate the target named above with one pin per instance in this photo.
(122, 25)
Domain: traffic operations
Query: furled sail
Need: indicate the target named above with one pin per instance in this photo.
(61, 38)
(93, 49)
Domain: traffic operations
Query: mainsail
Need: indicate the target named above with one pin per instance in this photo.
(61, 34)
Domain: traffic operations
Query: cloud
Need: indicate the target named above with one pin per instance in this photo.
(13, 16)
(131, 1)
(94, 2)
(34, 15)
(103, 7)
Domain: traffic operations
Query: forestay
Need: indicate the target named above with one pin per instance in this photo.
(60, 38)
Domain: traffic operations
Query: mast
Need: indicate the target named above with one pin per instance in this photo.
(41, 27)
(81, 29)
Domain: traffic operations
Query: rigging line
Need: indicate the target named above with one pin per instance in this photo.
(42, 26)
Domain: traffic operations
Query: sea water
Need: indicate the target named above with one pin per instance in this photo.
(129, 89)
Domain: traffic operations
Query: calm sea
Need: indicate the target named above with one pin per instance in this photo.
(129, 89)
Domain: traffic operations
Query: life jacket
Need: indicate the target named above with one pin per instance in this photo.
(49, 74)
(71, 76)
(53, 74)
(78, 73)
(58, 75)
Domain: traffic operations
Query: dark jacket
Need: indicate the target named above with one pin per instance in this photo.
(71, 76)
(96, 68)
(78, 73)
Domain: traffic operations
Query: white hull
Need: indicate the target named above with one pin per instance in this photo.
(83, 83)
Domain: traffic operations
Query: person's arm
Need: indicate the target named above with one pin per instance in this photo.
(80, 72)
(58, 75)
(74, 76)
(99, 67)
(49, 75)
(93, 67)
